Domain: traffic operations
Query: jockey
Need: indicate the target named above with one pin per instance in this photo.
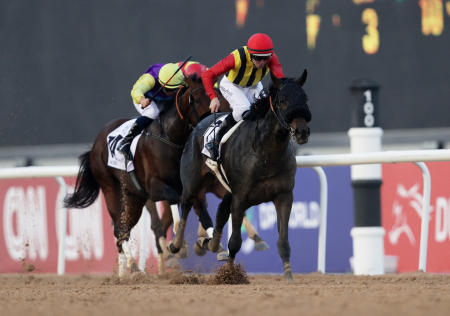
(245, 67)
(146, 89)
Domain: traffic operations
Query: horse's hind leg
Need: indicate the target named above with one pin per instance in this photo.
(200, 206)
(283, 205)
(130, 213)
(111, 192)
(260, 244)
(160, 236)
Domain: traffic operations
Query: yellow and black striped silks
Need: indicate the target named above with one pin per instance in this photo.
(244, 73)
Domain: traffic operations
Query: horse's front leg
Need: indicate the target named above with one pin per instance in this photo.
(235, 242)
(223, 212)
(283, 205)
(177, 241)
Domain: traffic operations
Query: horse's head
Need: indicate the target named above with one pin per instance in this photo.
(290, 101)
(193, 105)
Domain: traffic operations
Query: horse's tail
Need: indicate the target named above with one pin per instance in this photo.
(86, 187)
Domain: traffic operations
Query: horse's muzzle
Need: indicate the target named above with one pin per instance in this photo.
(302, 135)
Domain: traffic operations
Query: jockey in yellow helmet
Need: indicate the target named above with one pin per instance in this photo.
(147, 93)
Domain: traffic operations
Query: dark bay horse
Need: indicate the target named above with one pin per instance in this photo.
(259, 162)
(156, 163)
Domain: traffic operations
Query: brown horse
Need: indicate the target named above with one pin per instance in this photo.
(156, 164)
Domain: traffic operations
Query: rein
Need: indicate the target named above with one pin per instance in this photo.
(182, 117)
(281, 119)
(191, 103)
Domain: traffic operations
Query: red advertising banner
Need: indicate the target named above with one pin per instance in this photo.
(401, 200)
(29, 223)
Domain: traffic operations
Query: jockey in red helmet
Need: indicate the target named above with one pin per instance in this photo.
(245, 67)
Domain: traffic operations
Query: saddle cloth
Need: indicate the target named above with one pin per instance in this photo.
(115, 158)
(208, 136)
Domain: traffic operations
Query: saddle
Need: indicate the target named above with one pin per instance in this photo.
(216, 166)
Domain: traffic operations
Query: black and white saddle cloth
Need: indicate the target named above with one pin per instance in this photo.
(212, 130)
(116, 158)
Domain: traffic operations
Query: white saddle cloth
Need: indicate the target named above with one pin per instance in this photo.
(116, 158)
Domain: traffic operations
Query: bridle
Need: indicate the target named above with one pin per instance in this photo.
(280, 117)
(191, 103)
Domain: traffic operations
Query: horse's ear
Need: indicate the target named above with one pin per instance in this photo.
(276, 81)
(302, 79)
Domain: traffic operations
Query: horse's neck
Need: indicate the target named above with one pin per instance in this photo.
(273, 136)
(176, 129)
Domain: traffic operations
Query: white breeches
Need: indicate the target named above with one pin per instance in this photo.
(240, 98)
(150, 111)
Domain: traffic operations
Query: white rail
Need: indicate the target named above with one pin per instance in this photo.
(48, 172)
(316, 162)
(415, 156)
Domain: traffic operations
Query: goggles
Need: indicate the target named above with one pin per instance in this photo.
(261, 57)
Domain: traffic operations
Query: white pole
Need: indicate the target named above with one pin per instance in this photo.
(321, 252)
(62, 231)
(425, 216)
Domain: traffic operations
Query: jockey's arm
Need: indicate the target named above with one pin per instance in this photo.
(144, 84)
(211, 75)
(275, 67)
(214, 72)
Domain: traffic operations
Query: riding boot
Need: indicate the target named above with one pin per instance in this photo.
(138, 126)
(213, 146)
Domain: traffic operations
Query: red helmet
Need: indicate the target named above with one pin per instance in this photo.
(260, 44)
(196, 68)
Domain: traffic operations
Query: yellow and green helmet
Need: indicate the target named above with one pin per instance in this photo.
(166, 72)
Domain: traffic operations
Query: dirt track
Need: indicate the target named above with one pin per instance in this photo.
(311, 294)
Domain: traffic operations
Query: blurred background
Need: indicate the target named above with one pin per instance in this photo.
(67, 67)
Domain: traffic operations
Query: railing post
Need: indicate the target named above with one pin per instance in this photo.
(425, 216)
(321, 252)
(62, 231)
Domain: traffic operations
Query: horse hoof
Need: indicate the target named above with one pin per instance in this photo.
(213, 245)
(288, 277)
(184, 251)
(199, 250)
(172, 248)
(172, 262)
(261, 245)
(134, 268)
(223, 256)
